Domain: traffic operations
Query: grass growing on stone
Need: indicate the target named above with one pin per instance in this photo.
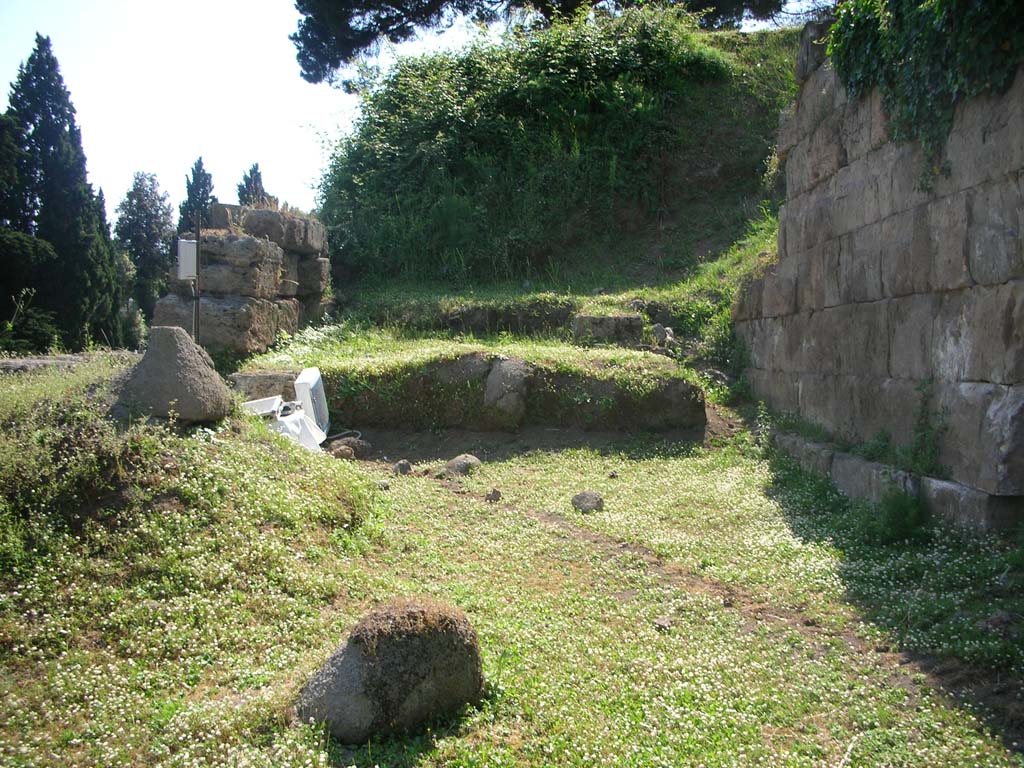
(176, 625)
(695, 298)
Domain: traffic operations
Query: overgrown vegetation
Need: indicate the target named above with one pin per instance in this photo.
(508, 160)
(926, 57)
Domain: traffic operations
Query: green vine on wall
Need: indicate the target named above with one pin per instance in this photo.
(925, 56)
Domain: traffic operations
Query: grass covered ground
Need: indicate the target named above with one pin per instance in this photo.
(723, 609)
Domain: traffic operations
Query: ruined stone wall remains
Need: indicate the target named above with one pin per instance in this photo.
(881, 286)
(262, 272)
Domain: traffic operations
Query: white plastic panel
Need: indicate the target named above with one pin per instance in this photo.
(309, 388)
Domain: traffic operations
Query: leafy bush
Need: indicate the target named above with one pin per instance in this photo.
(925, 57)
(490, 162)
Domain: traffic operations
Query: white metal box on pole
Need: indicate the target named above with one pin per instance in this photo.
(187, 266)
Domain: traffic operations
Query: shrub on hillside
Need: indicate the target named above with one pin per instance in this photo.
(490, 161)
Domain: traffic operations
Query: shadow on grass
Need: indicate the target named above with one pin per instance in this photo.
(425, 447)
(397, 751)
(950, 603)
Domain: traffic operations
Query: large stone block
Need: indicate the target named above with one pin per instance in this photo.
(911, 343)
(863, 339)
(979, 334)
(819, 348)
(238, 265)
(855, 197)
(970, 508)
(779, 292)
(298, 234)
(812, 52)
(995, 230)
(947, 225)
(983, 444)
(858, 478)
(819, 96)
(900, 170)
(987, 138)
(227, 323)
(809, 220)
(748, 300)
(812, 456)
(906, 258)
(856, 128)
(860, 265)
(314, 276)
(816, 158)
(817, 399)
(818, 276)
(789, 135)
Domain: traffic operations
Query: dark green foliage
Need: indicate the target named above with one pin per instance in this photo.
(925, 57)
(145, 230)
(333, 33)
(51, 199)
(251, 191)
(198, 197)
(493, 161)
(11, 141)
(900, 517)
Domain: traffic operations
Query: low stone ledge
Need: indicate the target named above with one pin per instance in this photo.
(858, 478)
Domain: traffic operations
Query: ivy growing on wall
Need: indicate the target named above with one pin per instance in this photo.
(925, 56)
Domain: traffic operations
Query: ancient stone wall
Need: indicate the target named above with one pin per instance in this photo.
(881, 285)
(262, 272)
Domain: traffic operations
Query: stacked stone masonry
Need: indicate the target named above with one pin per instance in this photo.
(881, 285)
(263, 272)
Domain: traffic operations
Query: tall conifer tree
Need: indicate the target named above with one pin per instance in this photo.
(145, 230)
(53, 200)
(198, 196)
(251, 191)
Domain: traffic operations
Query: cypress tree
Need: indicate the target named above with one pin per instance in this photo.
(251, 191)
(52, 200)
(145, 231)
(198, 197)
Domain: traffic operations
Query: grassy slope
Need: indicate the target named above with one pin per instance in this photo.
(177, 629)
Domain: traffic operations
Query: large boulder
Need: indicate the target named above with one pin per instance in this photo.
(176, 376)
(402, 666)
(506, 390)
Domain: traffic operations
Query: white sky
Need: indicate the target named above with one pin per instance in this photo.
(156, 85)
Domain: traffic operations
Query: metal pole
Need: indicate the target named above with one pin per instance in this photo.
(199, 262)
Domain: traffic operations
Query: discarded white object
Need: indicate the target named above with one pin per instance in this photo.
(265, 406)
(309, 388)
(305, 420)
(187, 251)
(299, 427)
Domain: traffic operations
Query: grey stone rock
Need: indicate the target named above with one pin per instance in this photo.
(588, 501)
(463, 464)
(254, 385)
(858, 478)
(402, 667)
(176, 376)
(466, 368)
(494, 496)
(506, 390)
(812, 53)
(402, 467)
(342, 452)
(360, 448)
(663, 336)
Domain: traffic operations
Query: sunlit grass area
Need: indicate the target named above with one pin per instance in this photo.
(174, 623)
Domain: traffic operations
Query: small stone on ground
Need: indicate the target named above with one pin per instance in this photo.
(588, 501)
(462, 464)
(402, 467)
(493, 496)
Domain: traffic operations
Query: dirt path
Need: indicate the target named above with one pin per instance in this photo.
(995, 697)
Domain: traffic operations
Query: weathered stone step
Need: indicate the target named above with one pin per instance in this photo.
(482, 389)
